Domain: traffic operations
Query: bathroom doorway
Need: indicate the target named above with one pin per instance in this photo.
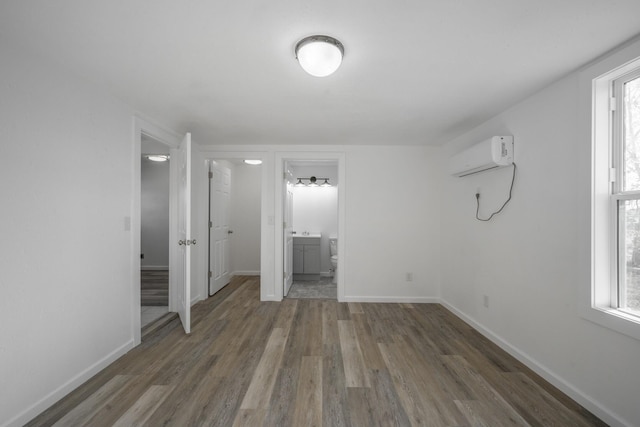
(154, 230)
(310, 231)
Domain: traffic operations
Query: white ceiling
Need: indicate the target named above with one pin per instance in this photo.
(414, 72)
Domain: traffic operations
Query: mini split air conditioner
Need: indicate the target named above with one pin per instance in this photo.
(495, 152)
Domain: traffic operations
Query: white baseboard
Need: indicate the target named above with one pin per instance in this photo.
(245, 273)
(41, 405)
(541, 370)
(154, 267)
(417, 300)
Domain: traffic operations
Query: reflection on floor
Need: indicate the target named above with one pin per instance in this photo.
(150, 313)
(315, 289)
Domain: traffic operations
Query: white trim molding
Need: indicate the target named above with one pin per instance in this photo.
(245, 273)
(405, 300)
(143, 126)
(595, 297)
(43, 404)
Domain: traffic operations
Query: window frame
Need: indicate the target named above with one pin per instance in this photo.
(618, 192)
(600, 303)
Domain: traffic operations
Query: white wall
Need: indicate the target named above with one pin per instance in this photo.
(315, 209)
(65, 253)
(392, 217)
(246, 185)
(392, 223)
(154, 212)
(533, 258)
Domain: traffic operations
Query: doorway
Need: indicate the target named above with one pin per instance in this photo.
(311, 229)
(235, 211)
(154, 230)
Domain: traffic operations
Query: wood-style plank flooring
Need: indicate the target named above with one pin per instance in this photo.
(154, 287)
(312, 363)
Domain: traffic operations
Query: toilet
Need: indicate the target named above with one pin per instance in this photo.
(333, 250)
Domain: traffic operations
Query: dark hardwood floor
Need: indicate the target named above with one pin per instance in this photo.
(312, 363)
(154, 287)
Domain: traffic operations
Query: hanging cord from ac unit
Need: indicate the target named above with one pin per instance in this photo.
(513, 179)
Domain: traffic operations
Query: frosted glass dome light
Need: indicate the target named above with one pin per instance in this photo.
(158, 157)
(319, 56)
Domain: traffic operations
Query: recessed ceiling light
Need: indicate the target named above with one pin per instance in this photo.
(158, 157)
(253, 162)
(319, 56)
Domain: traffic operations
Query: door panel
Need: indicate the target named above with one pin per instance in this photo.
(220, 228)
(183, 275)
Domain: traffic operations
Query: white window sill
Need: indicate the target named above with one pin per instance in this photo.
(613, 319)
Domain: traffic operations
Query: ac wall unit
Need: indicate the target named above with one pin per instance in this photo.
(495, 152)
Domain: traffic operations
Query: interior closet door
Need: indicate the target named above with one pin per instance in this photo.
(220, 232)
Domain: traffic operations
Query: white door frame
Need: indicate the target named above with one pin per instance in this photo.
(281, 159)
(287, 183)
(172, 140)
(213, 219)
(266, 224)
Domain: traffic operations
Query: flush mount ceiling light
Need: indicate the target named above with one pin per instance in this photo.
(319, 56)
(158, 157)
(253, 162)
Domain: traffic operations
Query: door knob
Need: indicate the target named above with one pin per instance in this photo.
(181, 242)
(191, 242)
(229, 231)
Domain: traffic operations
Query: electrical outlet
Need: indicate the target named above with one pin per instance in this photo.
(486, 301)
(409, 277)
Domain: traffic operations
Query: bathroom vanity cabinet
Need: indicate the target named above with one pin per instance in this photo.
(306, 255)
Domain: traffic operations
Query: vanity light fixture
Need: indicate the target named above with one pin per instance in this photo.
(253, 162)
(318, 55)
(313, 182)
(158, 157)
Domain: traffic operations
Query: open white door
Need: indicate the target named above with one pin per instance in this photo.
(219, 227)
(183, 273)
(288, 233)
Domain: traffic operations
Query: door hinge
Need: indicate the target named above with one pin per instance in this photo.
(612, 104)
(210, 274)
(612, 174)
(210, 174)
(210, 224)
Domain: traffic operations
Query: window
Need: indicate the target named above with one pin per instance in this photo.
(625, 197)
(615, 105)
